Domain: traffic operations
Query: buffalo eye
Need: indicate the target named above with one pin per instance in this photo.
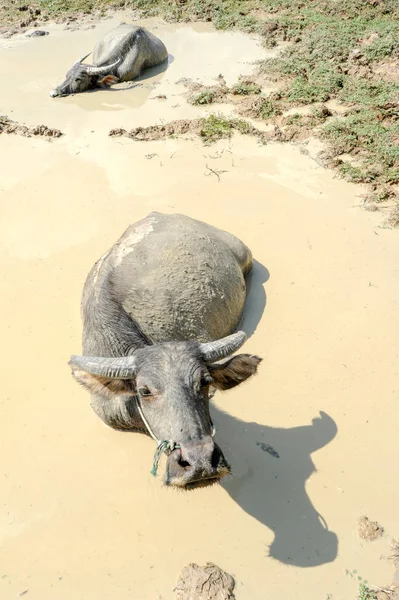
(205, 381)
(145, 392)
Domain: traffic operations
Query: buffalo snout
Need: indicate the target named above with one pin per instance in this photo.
(196, 465)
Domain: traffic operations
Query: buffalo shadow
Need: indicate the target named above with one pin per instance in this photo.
(256, 299)
(146, 74)
(153, 71)
(271, 465)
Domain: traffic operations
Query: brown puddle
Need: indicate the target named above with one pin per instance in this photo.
(312, 440)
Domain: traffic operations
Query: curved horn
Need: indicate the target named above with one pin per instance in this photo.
(104, 69)
(221, 348)
(81, 59)
(112, 368)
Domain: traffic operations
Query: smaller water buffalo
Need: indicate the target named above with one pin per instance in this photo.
(121, 55)
(160, 315)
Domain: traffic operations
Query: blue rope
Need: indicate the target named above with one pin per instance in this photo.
(162, 447)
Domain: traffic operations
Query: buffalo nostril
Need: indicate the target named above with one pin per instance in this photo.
(183, 463)
(215, 458)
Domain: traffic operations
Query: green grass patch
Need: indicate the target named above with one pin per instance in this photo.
(367, 92)
(365, 593)
(216, 127)
(65, 7)
(362, 133)
(266, 108)
(356, 174)
(322, 84)
(316, 117)
(246, 88)
(203, 97)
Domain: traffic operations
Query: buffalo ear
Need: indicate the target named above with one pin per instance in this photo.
(108, 80)
(103, 386)
(234, 371)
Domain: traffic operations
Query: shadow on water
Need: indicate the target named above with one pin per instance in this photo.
(147, 74)
(271, 466)
(256, 299)
(153, 71)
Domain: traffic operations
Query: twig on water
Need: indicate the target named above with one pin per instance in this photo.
(214, 172)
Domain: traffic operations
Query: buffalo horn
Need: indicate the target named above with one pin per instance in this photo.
(81, 59)
(111, 368)
(221, 348)
(102, 70)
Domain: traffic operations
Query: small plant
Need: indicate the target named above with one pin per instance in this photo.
(267, 108)
(320, 113)
(246, 88)
(294, 119)
(203, 97)
(315, 117)
(365, 593)
(216, 127)
(356, 174)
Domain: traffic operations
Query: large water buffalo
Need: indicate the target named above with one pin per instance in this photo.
(121, 55)
(160, 311)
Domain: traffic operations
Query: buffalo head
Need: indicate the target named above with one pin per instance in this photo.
(171, 384)
(82, 77)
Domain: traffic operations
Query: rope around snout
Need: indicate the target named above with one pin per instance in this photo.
(162, 447)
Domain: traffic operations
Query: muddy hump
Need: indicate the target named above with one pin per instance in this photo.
(11, 127)
(204, 583)
(369, 530)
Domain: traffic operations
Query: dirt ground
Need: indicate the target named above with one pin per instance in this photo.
(12, 128)
(312, 440)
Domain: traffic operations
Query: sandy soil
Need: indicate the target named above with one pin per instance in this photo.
(312, 440)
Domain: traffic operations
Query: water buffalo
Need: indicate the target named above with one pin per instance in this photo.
(122, 55)
(159, 312)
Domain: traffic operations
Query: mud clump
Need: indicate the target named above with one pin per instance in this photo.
(37, 33)
(369, 530)
(11, 127)
(199, 94)
(207, 94)
(387, 69)
(209, 129)
(159, 132)
(204, 583)
(299, 127)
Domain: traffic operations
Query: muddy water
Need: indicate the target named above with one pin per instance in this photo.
(312, 439)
